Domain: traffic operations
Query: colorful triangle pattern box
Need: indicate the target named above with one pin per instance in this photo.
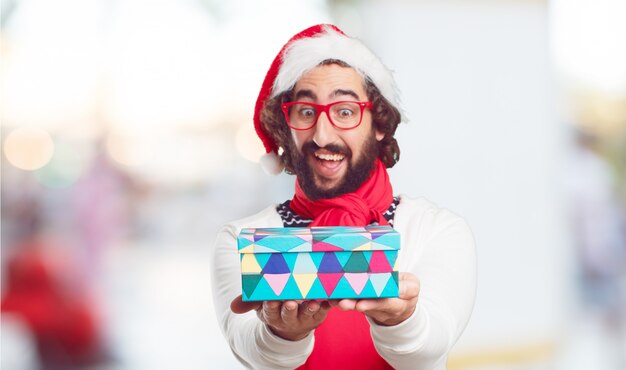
(318, 262)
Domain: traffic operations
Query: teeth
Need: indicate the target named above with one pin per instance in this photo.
(330, 157)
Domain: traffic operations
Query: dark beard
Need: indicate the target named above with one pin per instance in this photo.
(355, 175)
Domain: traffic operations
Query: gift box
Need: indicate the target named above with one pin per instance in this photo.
(318, 262)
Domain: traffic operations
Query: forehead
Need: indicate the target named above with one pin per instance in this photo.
(325, 80)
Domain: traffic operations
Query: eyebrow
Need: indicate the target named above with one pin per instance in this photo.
(305, 93)
(341, 92)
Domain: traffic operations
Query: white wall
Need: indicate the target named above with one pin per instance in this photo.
(483, 140)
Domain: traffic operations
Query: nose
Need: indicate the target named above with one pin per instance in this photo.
(325, 133)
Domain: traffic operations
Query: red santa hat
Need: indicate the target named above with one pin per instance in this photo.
(305, 51)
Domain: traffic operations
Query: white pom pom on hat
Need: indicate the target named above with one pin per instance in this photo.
(305, 51)
(271, 163)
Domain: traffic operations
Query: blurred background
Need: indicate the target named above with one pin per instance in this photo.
(127, 140)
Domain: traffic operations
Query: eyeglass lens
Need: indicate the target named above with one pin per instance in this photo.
(344, 114)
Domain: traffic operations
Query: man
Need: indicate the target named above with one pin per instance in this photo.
(327, 111)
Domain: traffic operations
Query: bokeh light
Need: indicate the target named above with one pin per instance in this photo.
(28, 148)
(129, 150)
(66, 165)
(248, 144)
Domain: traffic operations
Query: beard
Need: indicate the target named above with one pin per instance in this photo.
(354, 177)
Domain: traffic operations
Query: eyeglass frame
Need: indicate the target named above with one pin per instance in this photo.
(325, 108)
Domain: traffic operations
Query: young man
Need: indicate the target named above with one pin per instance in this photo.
(327, 112)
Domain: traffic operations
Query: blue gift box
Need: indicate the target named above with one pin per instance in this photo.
(318, 262)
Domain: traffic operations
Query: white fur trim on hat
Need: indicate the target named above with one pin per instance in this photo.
(271, 163)
(307, 53)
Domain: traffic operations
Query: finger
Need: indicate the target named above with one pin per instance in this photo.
(409, 288)
(347, 304)
(320, 315)
(271, 310)
(310, 308)
(289, 311)
(367, 305)
(238, 306)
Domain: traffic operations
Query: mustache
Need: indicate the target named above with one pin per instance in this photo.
(311, 147)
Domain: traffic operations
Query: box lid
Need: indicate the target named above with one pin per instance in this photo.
(317, 239)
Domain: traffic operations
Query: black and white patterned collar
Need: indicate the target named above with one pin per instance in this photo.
(292, 219)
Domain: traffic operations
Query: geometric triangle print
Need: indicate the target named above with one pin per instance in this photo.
(316, 291)
(249, 283)
(276, 265)
(367, 255)
(343, 290)
(377, 234)
(378, 246)
(319, 246)
(395, 277)
(277, 281)
(391, 289)
(329, 281)
(357, 281)
(388, 241)
(343, 258)
(262, 258)
(319, 236)
(291, 290)
(249, 264)
(304, 265)
(280, 244)
(260, 249)
(356, 263)
(379, 281)
(258, 237)
(364, 247)
(379, 262)
(290, 259)
(304, 281)
(348, 243)
(317, 258)
(368, 291)
(304, 247)
(242, 243)
(392, 256)
(329, 263)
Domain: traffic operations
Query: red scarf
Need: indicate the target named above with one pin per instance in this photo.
(343, 341)
(366, 204)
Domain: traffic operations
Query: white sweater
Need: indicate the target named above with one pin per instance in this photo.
(437, 247)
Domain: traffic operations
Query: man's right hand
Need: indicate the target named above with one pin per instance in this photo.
(286, 319)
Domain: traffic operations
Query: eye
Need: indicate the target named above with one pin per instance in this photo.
(306, 112)
(345, 112)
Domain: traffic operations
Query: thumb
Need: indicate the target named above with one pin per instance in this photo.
(239, 306)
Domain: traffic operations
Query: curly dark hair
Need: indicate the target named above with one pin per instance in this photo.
(385, 118)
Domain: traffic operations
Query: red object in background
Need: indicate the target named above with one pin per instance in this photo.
(61, 321)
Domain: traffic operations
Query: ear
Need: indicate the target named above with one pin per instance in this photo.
(379, 135)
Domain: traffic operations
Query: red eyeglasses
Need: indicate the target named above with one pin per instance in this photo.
(344, 115)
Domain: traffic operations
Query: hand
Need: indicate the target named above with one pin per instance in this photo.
(289, 320)
(388, 311)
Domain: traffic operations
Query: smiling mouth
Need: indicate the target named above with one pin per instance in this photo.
(330, 157)
(328, 163)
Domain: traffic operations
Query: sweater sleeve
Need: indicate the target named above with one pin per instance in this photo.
(439, 250)
(251, 341)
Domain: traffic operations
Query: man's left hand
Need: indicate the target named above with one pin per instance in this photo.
(388, 311)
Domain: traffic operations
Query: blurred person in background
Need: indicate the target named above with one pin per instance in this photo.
(599, 225)
(102, 201)
(327, 112)
(51, 254)
(42, 290)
